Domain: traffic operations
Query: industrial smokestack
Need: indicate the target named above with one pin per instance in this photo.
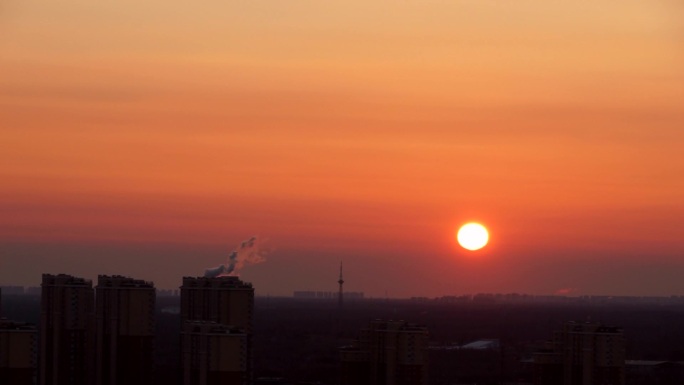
(247, 253)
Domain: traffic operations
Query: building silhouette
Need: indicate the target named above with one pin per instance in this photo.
(582, 353)
(387, 353)
(125, 331)
(216, 354)
(17, 353)
(66, 326)
(216, 328)
(224, 300)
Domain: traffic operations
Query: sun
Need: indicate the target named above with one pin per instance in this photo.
(472, 236)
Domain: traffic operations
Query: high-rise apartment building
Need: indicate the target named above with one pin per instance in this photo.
(66, 326)
(125, 331)
(583, 353)
(214, 354)
(17, 353)
(216, 317)
(387, 353)
(224, 300)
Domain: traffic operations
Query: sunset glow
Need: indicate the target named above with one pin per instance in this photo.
(148, 138)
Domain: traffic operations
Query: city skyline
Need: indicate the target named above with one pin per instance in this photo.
(149, 140)
(366, 347)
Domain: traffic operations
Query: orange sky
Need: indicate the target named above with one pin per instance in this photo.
(150, 138)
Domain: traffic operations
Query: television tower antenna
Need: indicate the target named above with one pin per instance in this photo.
(341, 282)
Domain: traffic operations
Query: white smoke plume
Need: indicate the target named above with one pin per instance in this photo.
(247, 253)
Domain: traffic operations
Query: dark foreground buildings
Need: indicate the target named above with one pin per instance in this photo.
(216, 327)
(66, 328)
(387, 353)
(125, 331)
(215, 354)
(583, 353)
(17, 353)
(105, 335)
(103, 340)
